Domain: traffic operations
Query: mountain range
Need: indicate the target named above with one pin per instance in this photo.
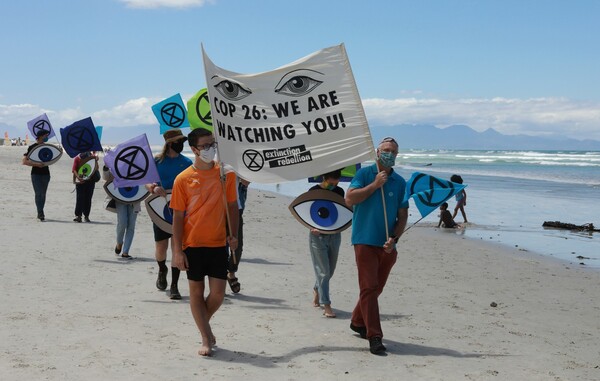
(409, 136)
(425, 136)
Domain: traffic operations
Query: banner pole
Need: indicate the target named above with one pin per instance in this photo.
(222, 179)
(387, 231)
(416, 222)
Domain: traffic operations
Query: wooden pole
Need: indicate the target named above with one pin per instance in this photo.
(387, 231)
(222, 179)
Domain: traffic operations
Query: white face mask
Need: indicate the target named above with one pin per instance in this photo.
(207, 155)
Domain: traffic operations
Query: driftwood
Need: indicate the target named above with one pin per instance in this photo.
(564, 225)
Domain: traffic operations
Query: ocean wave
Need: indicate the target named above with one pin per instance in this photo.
(571, 163)
(565, 177)
(498, 157)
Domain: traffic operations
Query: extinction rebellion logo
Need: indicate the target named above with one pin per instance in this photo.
(281, 157)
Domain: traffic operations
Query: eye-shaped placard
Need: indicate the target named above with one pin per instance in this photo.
(159, 211)
(126, 195)
(322, 209)
(45, 153)
(87, 167)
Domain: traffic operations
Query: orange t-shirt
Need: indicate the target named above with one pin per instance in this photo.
(199, 194)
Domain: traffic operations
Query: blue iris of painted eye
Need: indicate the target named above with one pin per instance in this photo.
(323, 210)
(324, 213)
(129, 191)
(168, 213)
(45, 153)
(126, 195)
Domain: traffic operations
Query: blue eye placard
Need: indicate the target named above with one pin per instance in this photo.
(45, 153)
(159, 211)
(126, 195)
(322, 209)
(323, 212)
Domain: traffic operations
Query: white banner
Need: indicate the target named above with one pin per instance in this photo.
(300, 120)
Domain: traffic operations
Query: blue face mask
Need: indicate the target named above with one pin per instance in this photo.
(387, 159)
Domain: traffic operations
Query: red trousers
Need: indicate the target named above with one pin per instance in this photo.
(374, 266)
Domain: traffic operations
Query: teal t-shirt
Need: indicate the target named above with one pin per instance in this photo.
(169, 168)
(368, 225)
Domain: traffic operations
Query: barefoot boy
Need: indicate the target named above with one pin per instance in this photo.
(199, 230)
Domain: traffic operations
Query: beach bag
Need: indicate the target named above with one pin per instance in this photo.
(96, 177)
(110, 205)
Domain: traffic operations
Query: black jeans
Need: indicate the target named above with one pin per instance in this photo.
(83, 205)
(40, 186)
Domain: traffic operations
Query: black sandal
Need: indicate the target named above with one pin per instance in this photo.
(234, 285)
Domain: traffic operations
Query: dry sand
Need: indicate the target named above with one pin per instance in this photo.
(70, 310)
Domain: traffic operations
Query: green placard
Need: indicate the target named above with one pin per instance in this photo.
(199, 113)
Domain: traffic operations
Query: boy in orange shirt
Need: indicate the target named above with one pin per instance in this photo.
(199, 230)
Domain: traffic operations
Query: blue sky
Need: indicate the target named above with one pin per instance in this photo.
(521, 67)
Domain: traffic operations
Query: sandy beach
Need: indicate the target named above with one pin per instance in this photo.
(72, 310)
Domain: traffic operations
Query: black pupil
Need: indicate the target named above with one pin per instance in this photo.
(298, 82)
(323, 212)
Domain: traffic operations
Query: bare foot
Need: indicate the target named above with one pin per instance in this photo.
(208, 342)
(316, 298)
(205, 350)
(328, 312)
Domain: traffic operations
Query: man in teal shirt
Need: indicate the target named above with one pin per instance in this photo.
(374, 244)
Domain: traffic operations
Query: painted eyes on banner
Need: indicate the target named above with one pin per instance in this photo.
(232, 90)
(298, 83)
(126, 195)
(323, 210)
(45, 153)
(87, 168)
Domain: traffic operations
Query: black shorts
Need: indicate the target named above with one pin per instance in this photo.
(206, 261)
(159, 234)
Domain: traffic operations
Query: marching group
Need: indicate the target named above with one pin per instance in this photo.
(207, 235)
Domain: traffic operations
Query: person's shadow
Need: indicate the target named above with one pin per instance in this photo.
(394, 348)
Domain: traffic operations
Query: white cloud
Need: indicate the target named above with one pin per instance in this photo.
(152, 4)
(18, 115)
(536, 116)
(134, 112)
(10, 113)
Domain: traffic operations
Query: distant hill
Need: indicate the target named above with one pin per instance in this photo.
(425, 136)
(415, 136)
